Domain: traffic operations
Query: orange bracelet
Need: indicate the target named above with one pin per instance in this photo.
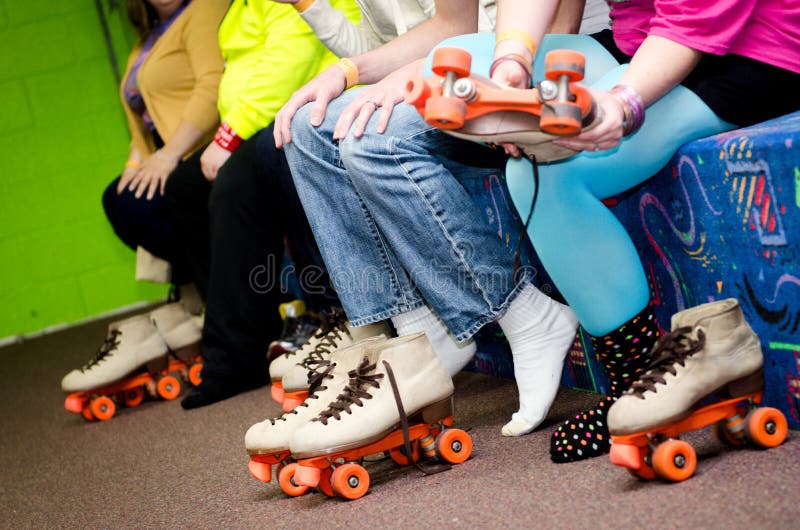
(303, 5)
(520, 36)
(132, 164)
(350, 72)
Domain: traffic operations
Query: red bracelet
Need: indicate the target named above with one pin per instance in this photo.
(517, 58)
(227, 138)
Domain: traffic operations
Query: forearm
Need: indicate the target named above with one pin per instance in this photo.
(658, 66)
(451, 18)
(183, 140)
(335, 31)
(568, 17)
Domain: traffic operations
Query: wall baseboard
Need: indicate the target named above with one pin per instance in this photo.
(16, 339)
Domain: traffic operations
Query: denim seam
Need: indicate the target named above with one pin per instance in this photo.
(383, 315)
(399, 293)
(447, 235)
(495, 314)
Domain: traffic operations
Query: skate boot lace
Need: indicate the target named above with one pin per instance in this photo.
(333, 322)
(315, 384)
(105, 350)
(354, 392)
(671, 350)
(328, 344)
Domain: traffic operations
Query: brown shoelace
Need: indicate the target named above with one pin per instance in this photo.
(315, 383)
(108, 346)
(673, 348)
(332, 321)
(354, 392)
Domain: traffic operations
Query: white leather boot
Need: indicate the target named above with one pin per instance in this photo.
(367, 410)
(710, 350)
(130, 345)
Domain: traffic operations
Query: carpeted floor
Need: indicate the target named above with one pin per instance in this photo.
(158, 466)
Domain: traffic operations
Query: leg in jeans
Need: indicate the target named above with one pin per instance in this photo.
(390, 208)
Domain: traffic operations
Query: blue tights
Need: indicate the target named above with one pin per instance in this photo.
(583, 246)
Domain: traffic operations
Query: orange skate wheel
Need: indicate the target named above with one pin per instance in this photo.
(449, 59)
(766, 427)
(133, 396)
(325, 482)
(674, 460)
(286, 481)
(350, 481)
(564, 62)
(453, 446)
(398, 454)
(169, 387)
(561, 119)
(102, 408)
(195, 378)
(445, 112)
(87, 414)
(416, 91)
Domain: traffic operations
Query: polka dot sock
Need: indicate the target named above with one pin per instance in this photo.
(625, 354)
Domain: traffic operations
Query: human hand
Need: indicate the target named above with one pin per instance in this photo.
(328, 84)
(511, 74)
(127, 175)
(212, 159)
(383, 95)
(606, 134)
(152, 175)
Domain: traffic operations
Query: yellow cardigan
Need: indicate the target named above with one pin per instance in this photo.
(179, 79)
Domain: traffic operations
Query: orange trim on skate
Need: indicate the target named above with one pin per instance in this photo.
(388, 442)
(658, 453)
(435, 100)
(700, 418)
(80, 402)
(260, 466)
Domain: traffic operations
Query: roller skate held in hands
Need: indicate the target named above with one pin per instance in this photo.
(473, 107)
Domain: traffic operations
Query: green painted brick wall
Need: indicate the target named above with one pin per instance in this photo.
(62, 139)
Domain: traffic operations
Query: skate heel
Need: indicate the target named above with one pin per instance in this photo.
(746, 385)
(188, 352)
(435, 412)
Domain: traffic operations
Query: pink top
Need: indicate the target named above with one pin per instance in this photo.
(764, 30)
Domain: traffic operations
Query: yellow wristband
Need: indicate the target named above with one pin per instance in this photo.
(520, 36)
(132, 164)
(350, 72)
(303, 5)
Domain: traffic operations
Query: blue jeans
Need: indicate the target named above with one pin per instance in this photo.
(394, 224)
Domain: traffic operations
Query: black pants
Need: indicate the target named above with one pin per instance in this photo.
(234, 232)
(146, 223)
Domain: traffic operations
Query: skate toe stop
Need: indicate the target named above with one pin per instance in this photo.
(260, 471)
(74, 404)
(307, 476)
(625, 455)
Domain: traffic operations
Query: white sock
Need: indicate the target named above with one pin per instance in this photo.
(540, 332)
(454, 355)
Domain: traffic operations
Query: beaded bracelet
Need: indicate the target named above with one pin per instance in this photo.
(517, 58)
(519, 36)
(632, 106)
(302, 5)
(350, 72)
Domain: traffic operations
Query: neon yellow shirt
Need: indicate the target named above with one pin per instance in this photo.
(269, 53)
